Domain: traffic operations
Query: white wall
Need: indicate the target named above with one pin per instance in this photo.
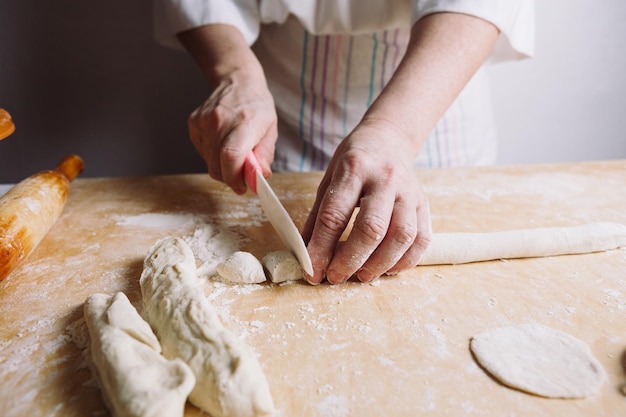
(87, 78)
(568, 103)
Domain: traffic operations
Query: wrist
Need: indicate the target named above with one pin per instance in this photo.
(221, 52)
(390, 130)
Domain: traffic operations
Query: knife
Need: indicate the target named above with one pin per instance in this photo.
(276, 213)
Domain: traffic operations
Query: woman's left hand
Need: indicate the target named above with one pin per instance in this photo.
(372, 169)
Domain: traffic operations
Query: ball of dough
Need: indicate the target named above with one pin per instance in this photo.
(539, 360)
(241, 267)
(282, 266)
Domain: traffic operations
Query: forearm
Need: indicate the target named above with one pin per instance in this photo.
(221, 50)
(444, 52)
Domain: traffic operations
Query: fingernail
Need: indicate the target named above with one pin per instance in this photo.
(335, 278)
(365, 276)
(311, 280)
(315, 279)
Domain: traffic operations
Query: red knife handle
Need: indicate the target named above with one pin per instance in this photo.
(250, 167)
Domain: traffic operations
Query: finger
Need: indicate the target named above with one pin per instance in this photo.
(420, 245)
(369, 229)
(232, 156)
(203, 134)
(331, 218)
(213, 137)
(309, 225)
(399, 238)
(237, 145)
(195, 135)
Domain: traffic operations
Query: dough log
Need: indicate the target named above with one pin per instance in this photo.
(137, 381)
(229, 379)
(459, 248)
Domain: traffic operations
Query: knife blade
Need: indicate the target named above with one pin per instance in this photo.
(276, 213)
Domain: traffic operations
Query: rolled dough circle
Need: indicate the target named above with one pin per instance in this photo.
(539, 360)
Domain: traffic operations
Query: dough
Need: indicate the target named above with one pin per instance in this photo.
(136, 380)
(241, 267)
(458, 248)
(282, 266)
(539, 360)
(229, 379)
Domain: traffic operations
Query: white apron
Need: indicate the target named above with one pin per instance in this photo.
(327, 60)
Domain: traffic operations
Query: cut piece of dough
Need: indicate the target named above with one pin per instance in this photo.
(458, 248)
(229, 379)
(539, 360)
(282, 266)
(137, 381)
(242, 268)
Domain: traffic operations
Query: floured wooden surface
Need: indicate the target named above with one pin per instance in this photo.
(399, 346)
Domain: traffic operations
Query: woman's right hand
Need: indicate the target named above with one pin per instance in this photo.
(239, 116)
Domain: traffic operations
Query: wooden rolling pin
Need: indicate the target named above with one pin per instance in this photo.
(30, 208)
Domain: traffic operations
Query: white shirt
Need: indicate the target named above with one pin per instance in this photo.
(327, 60)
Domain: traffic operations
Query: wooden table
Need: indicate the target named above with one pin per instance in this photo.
(396, 347)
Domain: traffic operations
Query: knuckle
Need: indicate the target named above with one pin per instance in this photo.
(229, 154)
(405, 234)
(388, 172)
(414, 254)
(333, 219)
(373, 228)
(219, 116)
(423, 241)
(194, 123)
(351, 164)
(212, 118)
(246, 114)
(409, 260)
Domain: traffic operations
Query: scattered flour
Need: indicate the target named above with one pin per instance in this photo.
(211, 245)
(166, 220)
(306, 308)
(441, 344)
(334, 406)
(385, 361)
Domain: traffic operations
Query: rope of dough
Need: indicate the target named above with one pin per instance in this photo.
(136, 380)
(229, 380)
(459, 248)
